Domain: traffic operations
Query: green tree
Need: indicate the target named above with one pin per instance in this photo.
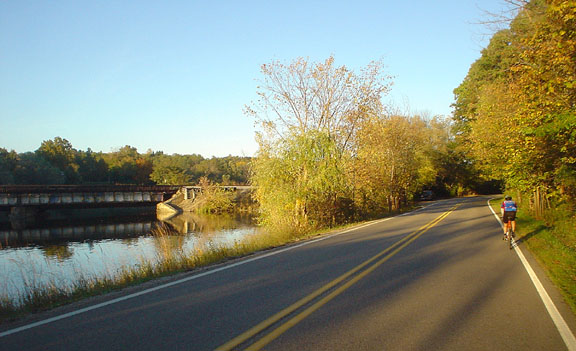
(91, 167)
(127, 166)
(170, 175)
(34, 169)
(8, 163)
(60, 153)
(300, 182)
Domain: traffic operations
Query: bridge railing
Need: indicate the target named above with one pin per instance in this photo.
(53, 196)
(31, 189)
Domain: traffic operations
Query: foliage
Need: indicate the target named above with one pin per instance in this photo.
(516, 110)
(60, 154)
(213, 199)
(304, 96)
(33, 169)
(300, 182)
(329, 152)
(91, 167)
(8, 163)
(58, 162)
(398, 156)
(308, 115)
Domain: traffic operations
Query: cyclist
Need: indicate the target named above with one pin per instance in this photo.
(508, 210)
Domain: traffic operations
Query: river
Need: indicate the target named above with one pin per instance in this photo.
(64, 251)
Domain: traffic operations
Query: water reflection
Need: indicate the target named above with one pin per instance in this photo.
(61, 253)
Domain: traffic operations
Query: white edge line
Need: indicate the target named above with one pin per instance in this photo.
(557, 318)
(183, 280)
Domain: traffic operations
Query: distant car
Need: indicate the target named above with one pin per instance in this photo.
(427, 195)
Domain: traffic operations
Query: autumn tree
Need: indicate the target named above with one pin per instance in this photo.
(308, 114)
(127, 166)
(517, 116)
(303, 96)
(397, 157)
(301, 182)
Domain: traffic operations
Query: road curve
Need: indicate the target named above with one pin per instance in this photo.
(439, 278)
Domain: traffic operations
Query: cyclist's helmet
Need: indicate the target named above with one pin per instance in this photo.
(508, 197)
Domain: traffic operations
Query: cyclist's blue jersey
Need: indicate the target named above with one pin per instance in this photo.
(509, 206)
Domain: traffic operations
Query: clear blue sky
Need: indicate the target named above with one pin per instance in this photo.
(173, 76)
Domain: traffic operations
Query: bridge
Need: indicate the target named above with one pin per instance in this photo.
(25, 200)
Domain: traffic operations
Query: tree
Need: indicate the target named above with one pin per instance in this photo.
(60, 153)
(127, 166)
(34, 169)
(91, 167)
(8, 163)
(305, 96)
(519, 116)
(395, 160)
(309, 114)
(169, 175)
(300, 182)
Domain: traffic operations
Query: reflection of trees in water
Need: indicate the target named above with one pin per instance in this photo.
(59, 252)
(190, 222)
(172, 236)
(167, 241)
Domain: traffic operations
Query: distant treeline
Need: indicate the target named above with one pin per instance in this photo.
(58, 162)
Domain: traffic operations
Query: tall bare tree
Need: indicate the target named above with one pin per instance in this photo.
(303, 96)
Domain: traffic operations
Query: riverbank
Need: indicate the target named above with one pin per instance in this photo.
(168, 263)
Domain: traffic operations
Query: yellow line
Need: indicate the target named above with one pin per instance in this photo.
(298, 318)
(393, 249)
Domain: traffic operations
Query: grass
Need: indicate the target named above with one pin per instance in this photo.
(38, 298)
(552, 241)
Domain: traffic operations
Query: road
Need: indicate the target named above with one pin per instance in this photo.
(439, 278)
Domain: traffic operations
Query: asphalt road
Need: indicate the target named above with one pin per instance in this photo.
(439, 278)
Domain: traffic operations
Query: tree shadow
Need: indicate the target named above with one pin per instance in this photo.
(534, 232)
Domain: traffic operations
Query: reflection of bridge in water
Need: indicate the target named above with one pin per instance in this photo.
(30, 224)
(76, 233)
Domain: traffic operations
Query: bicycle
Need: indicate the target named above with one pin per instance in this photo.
(509, 235)
(508, 210)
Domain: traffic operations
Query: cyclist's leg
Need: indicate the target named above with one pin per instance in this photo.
(513, 222)
(506, 221)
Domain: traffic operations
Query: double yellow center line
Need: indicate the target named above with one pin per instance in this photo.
(380, 258)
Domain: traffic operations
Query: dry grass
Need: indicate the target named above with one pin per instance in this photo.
(170, 259)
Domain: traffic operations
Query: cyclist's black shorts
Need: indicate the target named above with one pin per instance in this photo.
(509, 216)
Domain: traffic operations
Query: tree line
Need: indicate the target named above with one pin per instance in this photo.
(56, 161)
(515, 112)
(330, 151)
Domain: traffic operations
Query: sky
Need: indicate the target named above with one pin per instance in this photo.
(174, 76)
